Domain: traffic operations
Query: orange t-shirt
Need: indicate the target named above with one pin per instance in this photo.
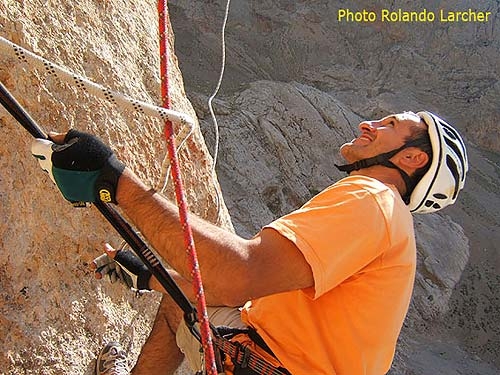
(357, 236)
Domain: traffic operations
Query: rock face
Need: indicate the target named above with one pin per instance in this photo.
(54, 316)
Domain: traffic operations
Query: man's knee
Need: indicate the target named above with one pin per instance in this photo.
(170, 313)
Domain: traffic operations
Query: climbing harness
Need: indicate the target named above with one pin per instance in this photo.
(246, 353)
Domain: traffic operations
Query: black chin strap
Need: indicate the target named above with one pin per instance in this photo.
(382, 159)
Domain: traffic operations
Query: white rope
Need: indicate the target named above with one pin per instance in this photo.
(116, 98)
(25, 56)
(221, 76)
(210, 107)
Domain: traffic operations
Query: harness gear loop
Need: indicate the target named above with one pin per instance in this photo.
(240, 355)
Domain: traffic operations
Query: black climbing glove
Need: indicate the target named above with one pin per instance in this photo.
(83, 167)
(125, 267)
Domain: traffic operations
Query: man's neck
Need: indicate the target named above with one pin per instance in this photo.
(388, 176)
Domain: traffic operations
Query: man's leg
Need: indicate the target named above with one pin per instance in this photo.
(160, 354)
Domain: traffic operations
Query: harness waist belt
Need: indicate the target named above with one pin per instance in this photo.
(241, 355)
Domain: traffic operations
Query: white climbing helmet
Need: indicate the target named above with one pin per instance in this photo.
(440, 185)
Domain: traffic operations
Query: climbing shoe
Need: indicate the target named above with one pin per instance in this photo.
(112, 360)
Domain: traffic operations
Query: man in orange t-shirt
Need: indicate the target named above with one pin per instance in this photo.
(329, 284)
(348, 323)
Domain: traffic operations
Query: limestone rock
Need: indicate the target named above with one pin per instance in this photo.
(54, 316)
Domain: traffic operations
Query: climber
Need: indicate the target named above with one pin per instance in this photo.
(325, 288)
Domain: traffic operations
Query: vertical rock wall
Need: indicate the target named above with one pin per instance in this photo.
(54, 316)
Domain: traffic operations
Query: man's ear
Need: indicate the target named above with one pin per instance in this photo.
(413, 158)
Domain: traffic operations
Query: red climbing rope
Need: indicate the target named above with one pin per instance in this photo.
(206, 337)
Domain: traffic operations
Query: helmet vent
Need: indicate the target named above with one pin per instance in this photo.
(454, 171)
(429, 203)
(449, 131)
(455, 149)
(439, 196)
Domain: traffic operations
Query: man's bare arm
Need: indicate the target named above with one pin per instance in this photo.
(233, 269)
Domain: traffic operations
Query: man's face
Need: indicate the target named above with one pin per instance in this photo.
(378, 137)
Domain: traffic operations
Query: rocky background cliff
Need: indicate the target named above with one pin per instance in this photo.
(296, 85)
(298, 82)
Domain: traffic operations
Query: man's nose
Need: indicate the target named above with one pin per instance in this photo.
(369, 126)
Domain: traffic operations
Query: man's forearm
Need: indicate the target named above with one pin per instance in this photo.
(220, 252)
(187, 288)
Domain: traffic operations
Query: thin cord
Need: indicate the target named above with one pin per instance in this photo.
(219, 83)
(212, 113)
